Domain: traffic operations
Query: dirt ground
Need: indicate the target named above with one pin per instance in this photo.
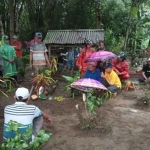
(123, 125)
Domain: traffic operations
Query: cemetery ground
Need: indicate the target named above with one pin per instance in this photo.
(123, 121)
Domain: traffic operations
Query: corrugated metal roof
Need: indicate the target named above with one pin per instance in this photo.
(73, 36)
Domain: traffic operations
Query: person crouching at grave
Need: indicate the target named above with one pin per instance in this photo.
(146, 72)
(92, 72)
(110, 79)
(121, 66)
(21, 112)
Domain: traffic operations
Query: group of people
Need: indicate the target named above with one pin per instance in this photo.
(10, 55)
(110, 72)
(67, 63)
(72, 55)
(20, 111)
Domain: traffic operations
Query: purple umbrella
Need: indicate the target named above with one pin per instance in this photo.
(101, 55)
(85, 84)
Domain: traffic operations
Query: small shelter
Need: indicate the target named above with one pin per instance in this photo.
(71, 38)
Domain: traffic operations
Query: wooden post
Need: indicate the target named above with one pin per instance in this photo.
(49, 52)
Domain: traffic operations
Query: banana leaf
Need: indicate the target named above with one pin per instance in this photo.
(69, 79)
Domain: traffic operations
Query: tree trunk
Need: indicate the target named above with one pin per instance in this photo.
(98, 15)
(128, 27)
(11, 15)
(1, 28)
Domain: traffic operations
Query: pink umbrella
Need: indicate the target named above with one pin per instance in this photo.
(85, 84)
(101, 55)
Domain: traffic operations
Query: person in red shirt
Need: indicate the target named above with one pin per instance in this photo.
(83, 55)
(121, 66)
(17, 46)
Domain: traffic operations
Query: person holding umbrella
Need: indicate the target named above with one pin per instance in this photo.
(110, 79)
(84, 54)
(92, 72)
(121, 66)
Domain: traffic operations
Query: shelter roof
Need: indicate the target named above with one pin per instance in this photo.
(76, 36)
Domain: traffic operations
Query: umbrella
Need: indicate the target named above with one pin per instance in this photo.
(85, 84)
(100, 55)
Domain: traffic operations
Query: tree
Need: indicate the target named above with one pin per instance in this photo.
(11, 16)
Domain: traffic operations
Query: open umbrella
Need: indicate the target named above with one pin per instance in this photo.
(100, 55)
(85, 84)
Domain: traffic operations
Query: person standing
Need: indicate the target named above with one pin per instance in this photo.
(9, 56)
(83, 55)
(18, 48)
(60, 61)
(101, 46)
(71, 56)
(38, 54)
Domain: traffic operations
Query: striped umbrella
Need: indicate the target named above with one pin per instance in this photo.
(85, 84)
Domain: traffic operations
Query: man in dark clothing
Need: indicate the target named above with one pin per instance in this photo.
(146, 72)
(60, 61)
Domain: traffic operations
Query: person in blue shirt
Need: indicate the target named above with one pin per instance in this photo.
(71, 56)
(92, 72)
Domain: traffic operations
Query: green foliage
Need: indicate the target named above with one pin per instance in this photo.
(9, 83)
(119, 18)
(25, 59)
(21, 71)
(70, 80)
(46, 72)
(96, 99)
(113, 44)
(21, 140)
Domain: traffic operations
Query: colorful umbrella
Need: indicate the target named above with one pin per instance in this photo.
(101, 55)
(85, 84)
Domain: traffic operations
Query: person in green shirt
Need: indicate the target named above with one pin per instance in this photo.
(9, 56)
